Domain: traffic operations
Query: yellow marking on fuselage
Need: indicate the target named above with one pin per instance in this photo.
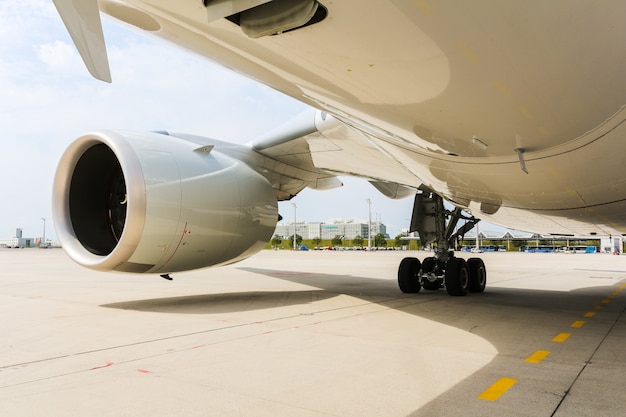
(502, 87)
(526, 113)
(425, 7)
(543, 131)
(468, 53)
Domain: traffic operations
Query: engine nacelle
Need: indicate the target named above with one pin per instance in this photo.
(152, 203)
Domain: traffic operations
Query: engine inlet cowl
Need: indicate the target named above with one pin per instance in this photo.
(146, 202)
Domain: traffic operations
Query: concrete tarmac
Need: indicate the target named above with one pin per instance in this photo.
(312, 334)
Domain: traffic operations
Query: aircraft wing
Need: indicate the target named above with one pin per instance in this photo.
(512, 111)
(475, 109)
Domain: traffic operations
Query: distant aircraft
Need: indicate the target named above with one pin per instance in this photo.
(512, 111)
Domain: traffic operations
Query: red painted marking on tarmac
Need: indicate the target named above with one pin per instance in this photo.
(103, 366)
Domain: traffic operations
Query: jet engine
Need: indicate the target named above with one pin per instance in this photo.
(154, 203)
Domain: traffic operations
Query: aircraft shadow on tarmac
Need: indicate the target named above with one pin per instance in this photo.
(494, 302)
(493, 315)
(515, 321)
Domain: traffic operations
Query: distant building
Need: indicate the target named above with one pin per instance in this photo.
(347, 229)
(612, 245)
(19, 241)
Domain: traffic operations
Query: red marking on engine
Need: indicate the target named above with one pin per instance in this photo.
(144, 371)
(182, 236)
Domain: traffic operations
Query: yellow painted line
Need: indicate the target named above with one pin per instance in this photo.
(618, 292)
(622, 287)
(605, 301)
(577, 324)
(590, 314)
(496, 390)
(561, 337)
(610, 297)
(537, 357)
(599, 307)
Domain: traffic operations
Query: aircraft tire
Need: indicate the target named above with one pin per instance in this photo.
(457, 277)
(408, 275)
(478, 275)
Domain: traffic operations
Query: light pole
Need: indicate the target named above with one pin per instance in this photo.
(44, 231)
(294, 224)
(369, 224)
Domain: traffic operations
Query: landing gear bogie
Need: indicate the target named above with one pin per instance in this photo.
(458, 276)
(438, 226)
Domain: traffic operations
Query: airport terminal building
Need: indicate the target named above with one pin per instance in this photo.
(347, 229)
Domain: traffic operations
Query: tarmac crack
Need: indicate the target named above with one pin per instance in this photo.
(587, 362)
(179, 336)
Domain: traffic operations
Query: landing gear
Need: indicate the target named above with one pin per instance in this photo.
(408, 275)
(457, 275)
(429, 274)
(478, 275)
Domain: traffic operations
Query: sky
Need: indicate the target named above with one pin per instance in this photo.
(48, 98)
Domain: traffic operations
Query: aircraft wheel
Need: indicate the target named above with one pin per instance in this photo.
(457, 277)
(478, 275)
(408, 275)
(428, 265)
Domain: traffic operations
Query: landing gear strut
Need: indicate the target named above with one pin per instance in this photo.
(457, 275)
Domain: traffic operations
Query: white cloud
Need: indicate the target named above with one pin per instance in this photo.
(47, 98)
(58, 56)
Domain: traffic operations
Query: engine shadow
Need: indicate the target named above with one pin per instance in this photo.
(222, 303)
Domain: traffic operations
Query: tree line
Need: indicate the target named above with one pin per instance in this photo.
(378, 241)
